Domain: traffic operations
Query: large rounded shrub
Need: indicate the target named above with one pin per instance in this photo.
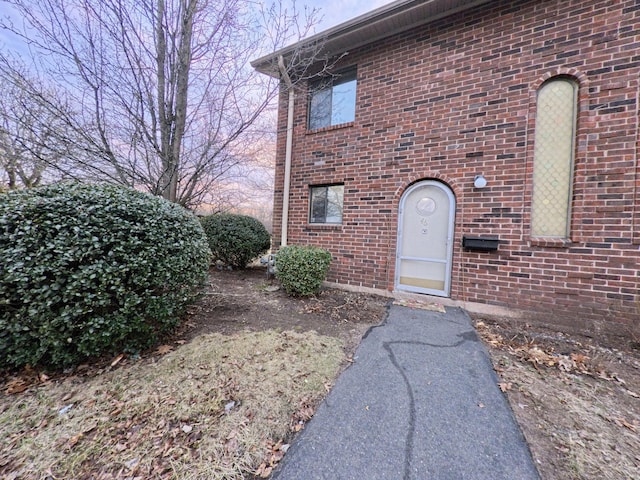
(235, 240)
(302, 269)
(92, 269)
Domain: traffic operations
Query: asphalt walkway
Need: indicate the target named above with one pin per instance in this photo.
(420, 402)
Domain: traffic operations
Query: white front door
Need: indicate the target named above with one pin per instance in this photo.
(425, 239)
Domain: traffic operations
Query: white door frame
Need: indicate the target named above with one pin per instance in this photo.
(450, 234)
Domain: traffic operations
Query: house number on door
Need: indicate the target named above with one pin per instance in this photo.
(425, 226)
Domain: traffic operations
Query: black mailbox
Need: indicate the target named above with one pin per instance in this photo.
(480, 244)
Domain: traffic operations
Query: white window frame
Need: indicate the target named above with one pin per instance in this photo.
(332, 198)
(334, 97)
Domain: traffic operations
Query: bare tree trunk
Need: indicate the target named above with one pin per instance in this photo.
(11, 174)
(182, 91)
(165, 122)
(26, 145)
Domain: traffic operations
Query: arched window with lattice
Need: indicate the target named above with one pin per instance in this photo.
(554, 147)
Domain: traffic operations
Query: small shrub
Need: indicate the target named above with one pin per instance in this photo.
(92, 269)
(302, 269)
(235, 240)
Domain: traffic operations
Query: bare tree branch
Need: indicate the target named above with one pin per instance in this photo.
(162, 94)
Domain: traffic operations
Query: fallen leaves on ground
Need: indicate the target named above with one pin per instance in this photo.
(302, 414)
(163, 349)
(540, 356)
(579, 416)
(505, 386)
(24, 379)
(350, 310)
(117, 360)
(434, 307)
(275, 453)
(621, 422)
(16, 385)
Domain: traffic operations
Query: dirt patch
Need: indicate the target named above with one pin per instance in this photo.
(577, 402)
(247, 300)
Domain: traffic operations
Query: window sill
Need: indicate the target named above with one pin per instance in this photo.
(329, 128)
(323, 226)
(550, 242)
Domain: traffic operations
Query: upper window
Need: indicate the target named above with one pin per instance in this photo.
(554, 145)
(326, 204)
(333, 100)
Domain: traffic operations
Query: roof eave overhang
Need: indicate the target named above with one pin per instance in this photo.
(391, 19)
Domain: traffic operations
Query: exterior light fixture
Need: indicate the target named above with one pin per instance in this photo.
(479, 181)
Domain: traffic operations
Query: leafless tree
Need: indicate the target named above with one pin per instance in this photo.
(162, 93)
(28, 142)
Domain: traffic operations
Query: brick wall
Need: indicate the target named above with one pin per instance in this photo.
(456, 98)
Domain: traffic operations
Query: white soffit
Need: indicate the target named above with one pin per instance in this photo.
(375, 25)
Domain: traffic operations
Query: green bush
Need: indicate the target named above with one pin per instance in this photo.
(235, 240)
(93, 269)
(302, 269)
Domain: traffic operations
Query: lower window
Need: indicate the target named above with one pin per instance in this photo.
(326, 204)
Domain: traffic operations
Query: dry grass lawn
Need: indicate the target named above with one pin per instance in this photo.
(218, 407)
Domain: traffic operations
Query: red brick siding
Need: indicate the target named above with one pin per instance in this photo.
(456, 98)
